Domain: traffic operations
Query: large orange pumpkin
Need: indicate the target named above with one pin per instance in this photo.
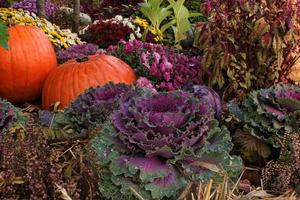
(26, 65)
(72, 78)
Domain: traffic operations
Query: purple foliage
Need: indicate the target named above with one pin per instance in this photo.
(208, 97)
(164, 67)
(290, 93)
(30, 5)
(76, 51)
(4, 3)
(7, 114)
(160, 124)
(153, 167)
(46, 117)
(154, 140)
(93, 107)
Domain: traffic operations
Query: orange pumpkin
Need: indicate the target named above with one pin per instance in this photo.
(72, 78)
(26, 65)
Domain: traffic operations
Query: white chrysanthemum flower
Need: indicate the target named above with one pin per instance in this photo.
(138, 35)
(119, 17)
(131, 37)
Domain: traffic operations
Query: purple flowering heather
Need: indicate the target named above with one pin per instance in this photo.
(76, 51)
(166, 69)
(30, 5)
(7, 114)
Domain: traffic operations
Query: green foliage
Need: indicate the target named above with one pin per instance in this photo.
(244, 46)
(156, 14)
(3, 35)
(181, 23)
(162, 18)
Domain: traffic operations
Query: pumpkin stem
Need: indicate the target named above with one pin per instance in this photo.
(82, 59)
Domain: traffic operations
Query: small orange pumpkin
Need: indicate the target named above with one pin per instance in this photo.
(72, 78)
(26, 65)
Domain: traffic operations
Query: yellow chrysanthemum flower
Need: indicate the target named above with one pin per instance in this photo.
(158, 34)
(60, 38)
(141, 22)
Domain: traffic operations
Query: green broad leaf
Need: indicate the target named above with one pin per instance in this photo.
(154, 12)
(277, 44)
(3, 35)
(168, 25)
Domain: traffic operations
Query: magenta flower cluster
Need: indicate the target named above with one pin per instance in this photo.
(30, 5)
(163, 66)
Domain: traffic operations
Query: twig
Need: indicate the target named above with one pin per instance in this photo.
(136, 194)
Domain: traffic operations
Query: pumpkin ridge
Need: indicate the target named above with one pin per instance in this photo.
(96, 75)
(63, 83)
(104, 62)
(73, 81)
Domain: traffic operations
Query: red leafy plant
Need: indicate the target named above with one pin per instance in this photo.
(108, 8)
(248, 44)
(106, 33)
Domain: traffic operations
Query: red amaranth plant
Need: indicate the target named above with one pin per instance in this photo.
(249, 44)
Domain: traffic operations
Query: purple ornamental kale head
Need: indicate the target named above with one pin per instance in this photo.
(93, 107)
(160, 124)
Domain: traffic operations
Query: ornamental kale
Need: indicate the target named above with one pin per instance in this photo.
(208, 97)
(91, 109)
(8, 114)
(269, 113)
(30, 5)
(75, 51)
(155, 143)
(166, 69)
